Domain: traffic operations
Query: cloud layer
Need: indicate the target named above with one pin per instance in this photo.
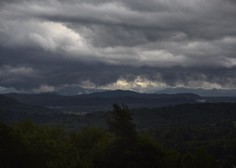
(124, 44)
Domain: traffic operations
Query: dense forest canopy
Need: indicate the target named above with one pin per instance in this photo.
(121, 143)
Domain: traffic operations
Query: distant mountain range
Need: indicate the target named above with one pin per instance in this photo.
(201, 92)
(107, 97)
(77, 90)
(73, 90)
(103, 100)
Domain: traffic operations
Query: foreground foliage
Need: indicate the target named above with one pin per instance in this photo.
(28, 145)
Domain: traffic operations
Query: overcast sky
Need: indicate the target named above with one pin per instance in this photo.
(122, 44)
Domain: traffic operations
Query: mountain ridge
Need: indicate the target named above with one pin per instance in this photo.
(12, 110)
(103, 100)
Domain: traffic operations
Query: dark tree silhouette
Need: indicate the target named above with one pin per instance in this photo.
(120, 122)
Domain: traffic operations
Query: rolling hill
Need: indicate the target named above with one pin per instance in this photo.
(12, 110)
(103, 100)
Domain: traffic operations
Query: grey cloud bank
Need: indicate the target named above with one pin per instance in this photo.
(138, 45)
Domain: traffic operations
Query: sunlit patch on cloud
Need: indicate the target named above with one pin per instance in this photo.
(50, 36)
(41, 89)
(139, 84)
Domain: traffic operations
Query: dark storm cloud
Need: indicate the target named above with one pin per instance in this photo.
(154, 43)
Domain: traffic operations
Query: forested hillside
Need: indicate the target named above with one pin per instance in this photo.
(120, 145)
(179, 134)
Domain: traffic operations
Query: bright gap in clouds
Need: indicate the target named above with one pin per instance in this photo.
(139, 84)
